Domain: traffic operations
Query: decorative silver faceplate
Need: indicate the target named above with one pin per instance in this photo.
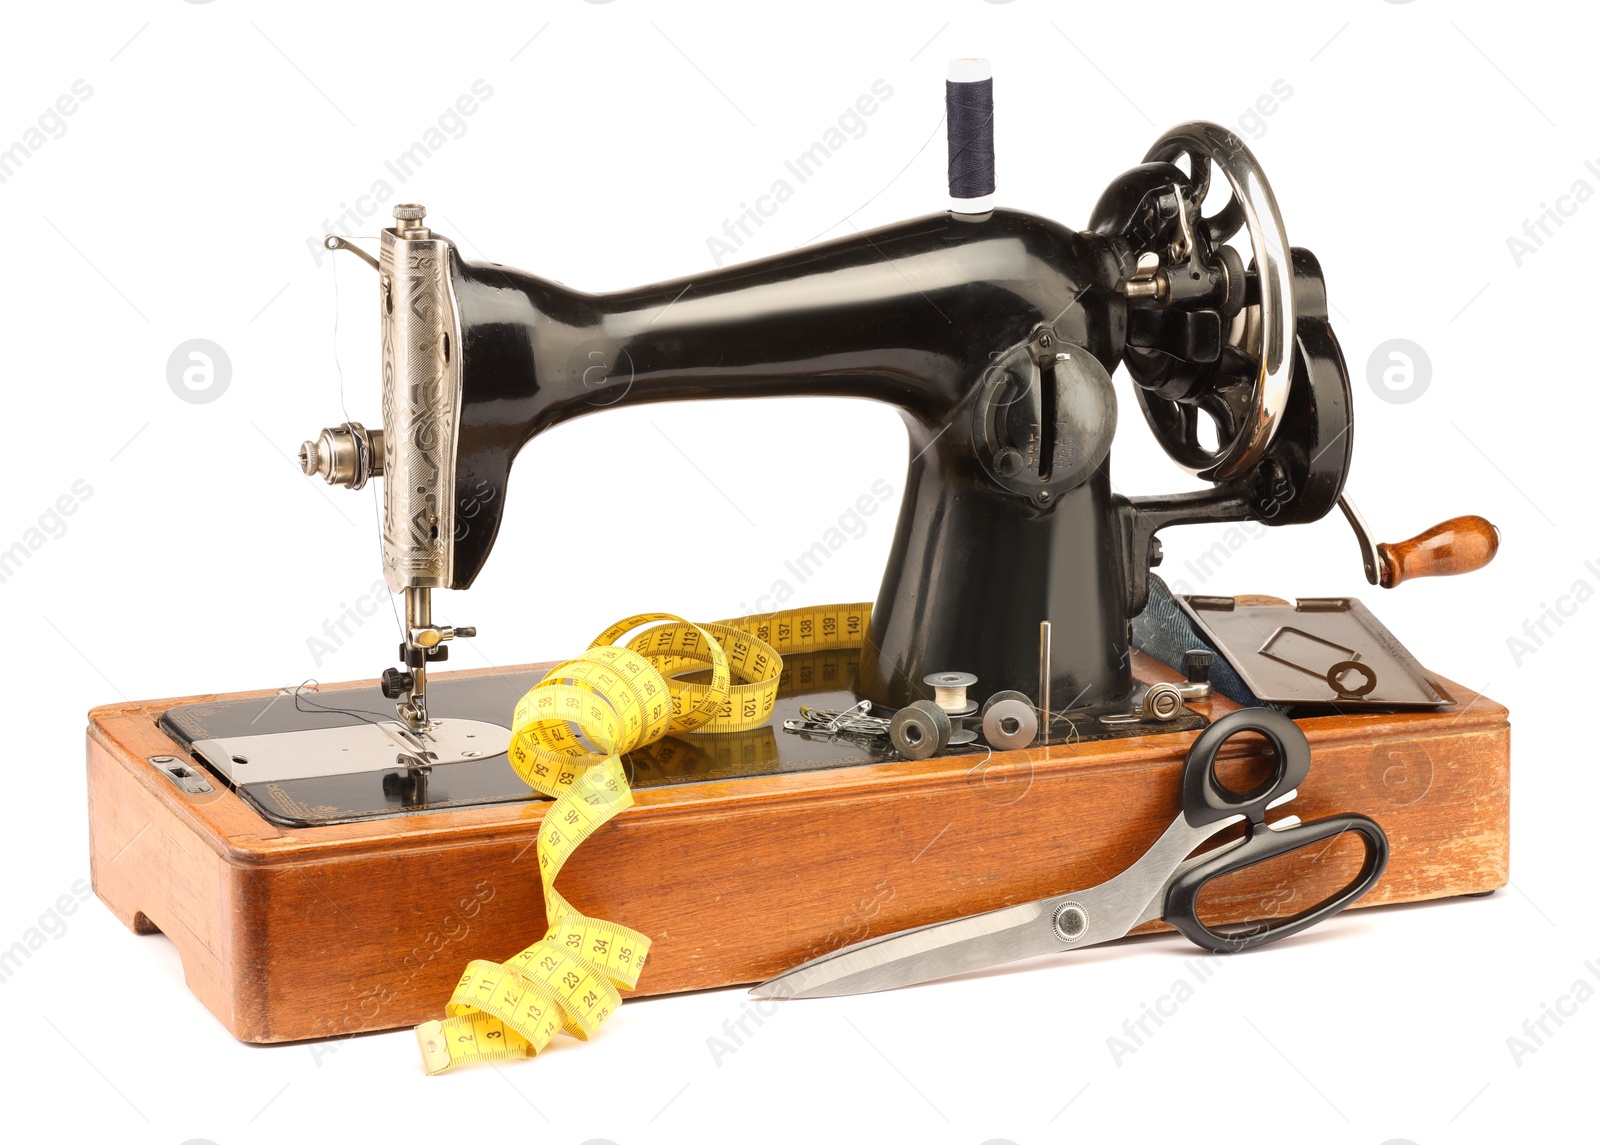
(421, 400)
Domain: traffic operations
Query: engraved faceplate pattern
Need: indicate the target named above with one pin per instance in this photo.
(421, 395)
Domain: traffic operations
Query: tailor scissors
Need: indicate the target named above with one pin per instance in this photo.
(1164, 883)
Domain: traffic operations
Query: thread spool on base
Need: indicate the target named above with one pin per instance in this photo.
(950, 689)
(950, 697)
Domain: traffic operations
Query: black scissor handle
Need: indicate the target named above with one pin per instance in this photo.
(1261, 844)
(1207, 801)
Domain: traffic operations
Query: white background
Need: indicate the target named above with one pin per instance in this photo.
(618, 137)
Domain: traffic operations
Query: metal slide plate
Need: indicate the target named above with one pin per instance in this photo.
(1295, 654)
(274, 757)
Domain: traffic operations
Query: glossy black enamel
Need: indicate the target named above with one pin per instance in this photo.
(921, 315)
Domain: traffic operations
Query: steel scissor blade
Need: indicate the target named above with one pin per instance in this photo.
(979, 941)
(921, 954)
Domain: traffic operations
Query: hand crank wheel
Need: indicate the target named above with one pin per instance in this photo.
(1246, 390)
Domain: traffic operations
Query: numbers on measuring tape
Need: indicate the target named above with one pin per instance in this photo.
(568, 736)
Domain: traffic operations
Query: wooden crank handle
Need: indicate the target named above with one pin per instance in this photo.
(1459, 545)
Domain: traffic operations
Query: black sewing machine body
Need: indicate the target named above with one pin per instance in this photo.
(925, 315)
(995, 336)
(994, 332)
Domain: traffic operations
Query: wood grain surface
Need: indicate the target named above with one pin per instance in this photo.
(317, 932)
(1459, 545)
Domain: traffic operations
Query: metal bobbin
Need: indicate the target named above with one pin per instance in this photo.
(1010, 721)
(919, 730)
(960, 733)
(950, 697)
(950, 689)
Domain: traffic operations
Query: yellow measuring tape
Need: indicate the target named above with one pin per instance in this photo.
(568, 736)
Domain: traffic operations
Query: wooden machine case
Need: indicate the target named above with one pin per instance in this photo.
(318, 932)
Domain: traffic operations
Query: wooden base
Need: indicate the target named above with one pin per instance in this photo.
(318, 932)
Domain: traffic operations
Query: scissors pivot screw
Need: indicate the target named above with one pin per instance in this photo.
(1071, 920)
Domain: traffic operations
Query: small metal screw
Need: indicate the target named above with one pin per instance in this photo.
(1071, 921)
(1162, 702)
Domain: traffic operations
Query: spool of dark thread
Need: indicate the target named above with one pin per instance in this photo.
(969, 131)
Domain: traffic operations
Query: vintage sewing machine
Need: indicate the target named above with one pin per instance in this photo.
(327, 860)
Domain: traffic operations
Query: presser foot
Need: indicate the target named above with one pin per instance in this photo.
(425, 643)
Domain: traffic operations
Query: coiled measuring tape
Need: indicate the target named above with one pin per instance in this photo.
(568, 736)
